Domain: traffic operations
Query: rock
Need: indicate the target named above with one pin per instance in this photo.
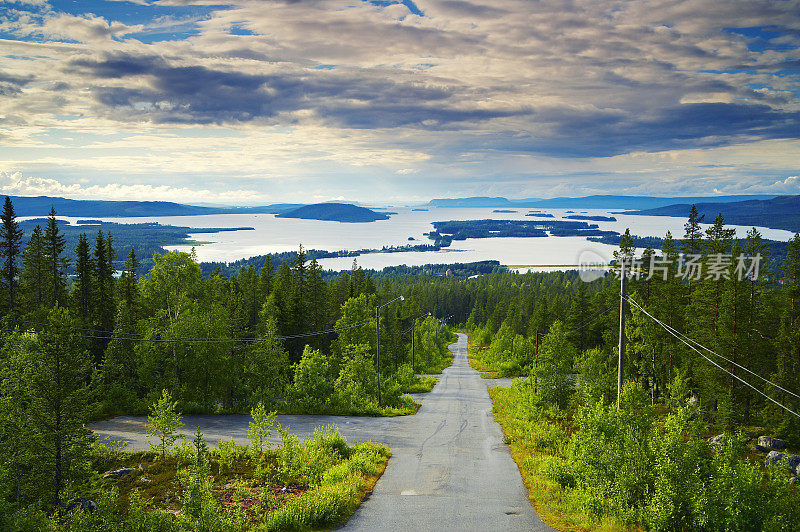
(718, 441)
(83, 504)
(794, 480)
(145, 480)
(118, 473)
(771, 443)
(776, 457)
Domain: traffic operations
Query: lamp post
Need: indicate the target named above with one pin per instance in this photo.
(378, 340)
(413, 330)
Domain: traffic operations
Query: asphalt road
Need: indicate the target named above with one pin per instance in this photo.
(450, 469)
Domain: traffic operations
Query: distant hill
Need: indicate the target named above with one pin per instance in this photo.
(589, 202)
(40, 206)
(335, 212)
(470, 202)
(782, 212)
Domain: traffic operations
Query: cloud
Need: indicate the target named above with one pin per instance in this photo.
(466, 90)
(14, 183)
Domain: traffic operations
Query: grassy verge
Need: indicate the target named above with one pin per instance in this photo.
(595, 467)
(477, 362)
(533, 448)
(315, 484)
(371, 409)
(423, 384)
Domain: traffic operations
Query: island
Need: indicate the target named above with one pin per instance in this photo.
(540, 215)
(446, 232)
(591, 218)
(335, 212)
(504, 210)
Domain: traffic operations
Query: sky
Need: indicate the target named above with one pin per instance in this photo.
(396, 102)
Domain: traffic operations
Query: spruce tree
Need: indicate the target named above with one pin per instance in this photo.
(54, 244)
(10, 246)
(35, 269)
(57, 393)
(82, 291)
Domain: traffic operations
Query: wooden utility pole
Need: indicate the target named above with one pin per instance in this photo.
(620, 365)
(413, 333)
(536, 360)
(378, 348)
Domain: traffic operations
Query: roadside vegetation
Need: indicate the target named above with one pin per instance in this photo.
(589, 466)
(185, 486)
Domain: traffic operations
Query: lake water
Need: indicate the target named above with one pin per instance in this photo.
(273, 235)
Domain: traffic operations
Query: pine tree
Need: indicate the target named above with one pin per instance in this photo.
(10, 246)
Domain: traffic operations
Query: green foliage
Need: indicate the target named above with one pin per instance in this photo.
(260, 428)
(357, 383)
(311, 388)
(164, 422)
(554, 365)
(630, 468)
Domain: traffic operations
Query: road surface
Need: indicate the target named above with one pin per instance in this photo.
(450, 469)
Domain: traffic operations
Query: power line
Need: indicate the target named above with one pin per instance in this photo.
(678, 336)
(208, 340)
(698, 344)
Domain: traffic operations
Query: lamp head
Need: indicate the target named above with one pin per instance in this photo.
(402, 298)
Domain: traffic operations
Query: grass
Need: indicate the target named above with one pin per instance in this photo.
(532, 450)
(316, 484)
(423, 384)
(478, 363)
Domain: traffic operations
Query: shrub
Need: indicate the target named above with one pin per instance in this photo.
(164, 422)
(260, 428)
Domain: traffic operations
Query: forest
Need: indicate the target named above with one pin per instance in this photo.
(286, 337)
(99, 343)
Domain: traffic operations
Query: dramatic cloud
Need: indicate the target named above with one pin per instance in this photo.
(402, 99)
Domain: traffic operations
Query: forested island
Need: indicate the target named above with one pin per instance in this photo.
(335, 212)
(591, 218)
(446, 232)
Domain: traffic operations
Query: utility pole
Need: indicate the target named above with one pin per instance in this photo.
(536, 360)
(620, 365)
(413, 333)
(378, 348)
(378, 341)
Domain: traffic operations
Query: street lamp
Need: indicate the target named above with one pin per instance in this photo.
(378, 340)
(413, 330)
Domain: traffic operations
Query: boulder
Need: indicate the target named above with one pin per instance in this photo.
(83, 504)
(771, 443)
(118, 473)
(718, 441)
(776, 457)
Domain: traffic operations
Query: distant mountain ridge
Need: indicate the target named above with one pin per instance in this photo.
(335, 212)
(782, 212)
(40, 206)
(589, 202)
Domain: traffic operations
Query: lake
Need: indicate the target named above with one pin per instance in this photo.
(273, 235)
